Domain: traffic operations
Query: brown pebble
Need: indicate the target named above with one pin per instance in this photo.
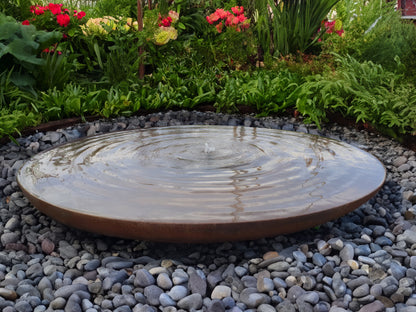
(8, 294)
(409, 215)
(31, 249)
(270, 255)
(304, 248)
(47, 246)
(15, 246)
(386, 301)
(166, 263)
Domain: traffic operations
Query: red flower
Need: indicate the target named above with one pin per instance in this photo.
(55, 8)
(25, 22)
(63, 20)
(38, 9)
(166, 22)
(80, 14)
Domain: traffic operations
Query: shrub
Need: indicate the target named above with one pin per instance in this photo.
(376, 32)
(18, 9)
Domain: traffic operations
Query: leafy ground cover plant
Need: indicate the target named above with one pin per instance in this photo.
(366, 91)
(11, 122)
(266, 91)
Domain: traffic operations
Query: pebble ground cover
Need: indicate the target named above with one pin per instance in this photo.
(361, 66)
(365, 261)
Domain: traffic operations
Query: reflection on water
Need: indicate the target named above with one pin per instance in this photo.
(208, 173)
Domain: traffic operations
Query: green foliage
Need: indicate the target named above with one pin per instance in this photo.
(391, 37)
(115, 8)
(233, 48)
(267, 91)
(11, 122)
(175, 85)
(263, 26)
(56, 71)
(293, 24)
(11, 97)
(118, 102)
(18, 9)
(109, 57)
(376, 32)
(365, 91)
(20, 47)
(120, 60)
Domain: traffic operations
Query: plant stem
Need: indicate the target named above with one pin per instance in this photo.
(140, 25)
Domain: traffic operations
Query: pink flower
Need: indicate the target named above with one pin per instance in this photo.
(26, 22)
(329, 27)
(63, 19)
(241, 18)
(219, 27)
(340, 32)
(55, 8)
(237, 21)
(238, 10)
(213, 17)
(245, 24)
(231, 21)
(222, 13)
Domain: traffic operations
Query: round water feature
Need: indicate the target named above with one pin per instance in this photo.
(200, 183)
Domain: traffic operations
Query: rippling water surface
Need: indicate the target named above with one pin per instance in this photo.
(201, 174)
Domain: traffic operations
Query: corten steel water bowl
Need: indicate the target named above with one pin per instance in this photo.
(200, 183)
